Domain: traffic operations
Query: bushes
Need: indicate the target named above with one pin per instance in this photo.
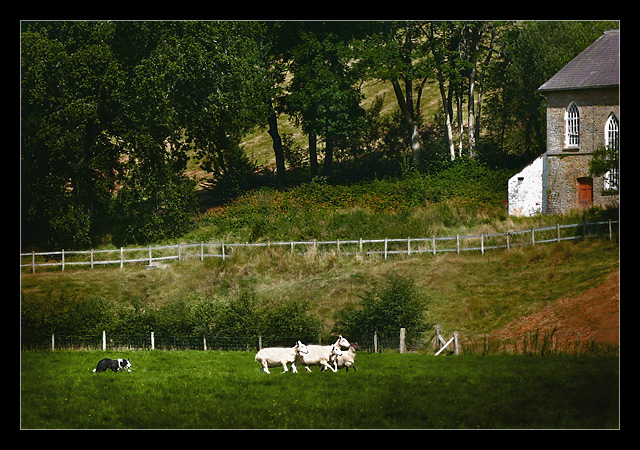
(396, 304)
(241, 315)
(63, 315)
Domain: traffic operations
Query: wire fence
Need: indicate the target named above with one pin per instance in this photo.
(536, 342)
(154, 255)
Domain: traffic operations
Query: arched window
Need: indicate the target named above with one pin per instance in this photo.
(572, 126)
(612, 144)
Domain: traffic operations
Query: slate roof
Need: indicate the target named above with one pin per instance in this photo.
(597, 66)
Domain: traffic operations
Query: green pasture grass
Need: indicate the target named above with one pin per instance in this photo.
(221, 390)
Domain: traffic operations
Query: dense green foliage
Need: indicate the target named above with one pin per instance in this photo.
(244, 315)
(197, 389)
(397, 304)
(105, 107)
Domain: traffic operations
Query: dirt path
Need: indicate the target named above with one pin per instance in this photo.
(594, 313)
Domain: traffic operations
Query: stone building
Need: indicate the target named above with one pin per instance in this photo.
(583, 114)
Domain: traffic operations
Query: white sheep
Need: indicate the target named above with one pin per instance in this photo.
(347, 358)
(276, 356)
(321, 355)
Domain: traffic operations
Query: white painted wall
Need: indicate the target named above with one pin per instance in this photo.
(525, 190)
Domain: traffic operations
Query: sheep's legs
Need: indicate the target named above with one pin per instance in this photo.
(332, 369)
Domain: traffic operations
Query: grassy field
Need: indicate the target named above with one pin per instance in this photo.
(214, 390)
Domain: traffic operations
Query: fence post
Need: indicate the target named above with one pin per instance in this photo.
(433, 243)
(438, 333)
(408, 246)
(558, 231)
(223, 254)
(458, 244)
(402, 336)
(104, 340)
(53, 341)
(259, 342)
(204, 342)
(179, 252)
(482, 244)
(360, 245)
(508, 234)
(150, 259)
(153, 341)
(385, 248)
(92, 258)
(33, 261)
(201, 251)
(375, 342)
(533, 236)
(610, 231)
(63, 260)
(121, 257)
(456, 347)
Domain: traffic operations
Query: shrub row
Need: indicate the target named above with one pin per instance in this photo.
(239, 316)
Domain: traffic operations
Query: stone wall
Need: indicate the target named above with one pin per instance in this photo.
(566, 165)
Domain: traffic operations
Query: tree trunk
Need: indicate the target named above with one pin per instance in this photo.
(480, 74)
(313, 153)
(459, 119)
(328, 156)
(472, 115)
(412, 126)
(446, 105)
(277, 146)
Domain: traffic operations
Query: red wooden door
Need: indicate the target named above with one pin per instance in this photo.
(585, 192)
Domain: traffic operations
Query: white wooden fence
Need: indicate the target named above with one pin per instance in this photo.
(409, 246)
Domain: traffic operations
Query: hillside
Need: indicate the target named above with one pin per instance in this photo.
(594, 314)
(471, 293)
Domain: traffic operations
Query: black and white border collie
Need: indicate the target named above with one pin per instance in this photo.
(113, 364)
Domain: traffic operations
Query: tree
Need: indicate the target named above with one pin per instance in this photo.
(396, 304)
(395, 52)
(69, 85)
(110, 111)
(529, 53)
(322, 97)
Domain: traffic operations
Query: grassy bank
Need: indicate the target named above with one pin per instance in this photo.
(193, 389)
(470, 292)
(466, 194)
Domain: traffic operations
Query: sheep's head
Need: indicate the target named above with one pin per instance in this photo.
(335, 350)
(355, 346)
(301, 348)
(342, 342)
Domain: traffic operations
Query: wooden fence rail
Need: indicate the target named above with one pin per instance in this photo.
(409, 246)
